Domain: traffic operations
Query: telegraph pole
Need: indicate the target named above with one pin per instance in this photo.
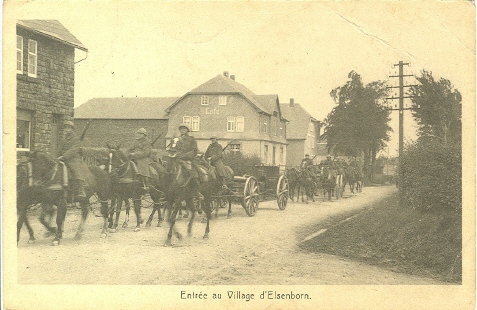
(401, 110)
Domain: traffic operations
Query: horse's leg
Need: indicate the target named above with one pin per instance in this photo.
(229, 212)
(112, 208)
(84, 215)
(104, 213)
(22, 218)
(47, 210)
(137, 211)
(208, 214)
(151, 216)
(127, 207)
(172, 221)
(60, 219)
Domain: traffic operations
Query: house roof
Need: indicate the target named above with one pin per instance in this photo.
(298, 117)
(125, 108)
(225, 85)
(53, 29)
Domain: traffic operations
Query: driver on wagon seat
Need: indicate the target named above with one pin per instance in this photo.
(187, 151)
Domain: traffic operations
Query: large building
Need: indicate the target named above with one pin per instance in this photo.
(303, 134)
(45, 82)
(248, 123)
(115, 120)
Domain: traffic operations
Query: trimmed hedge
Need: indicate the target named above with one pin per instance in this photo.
(432, 176)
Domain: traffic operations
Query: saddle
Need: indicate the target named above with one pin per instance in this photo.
(58, 186)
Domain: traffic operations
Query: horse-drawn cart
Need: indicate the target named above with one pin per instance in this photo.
(258, 184)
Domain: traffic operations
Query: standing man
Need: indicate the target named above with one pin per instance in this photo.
(140, 152)
(70, 145)
(186, 151)
(214, 153)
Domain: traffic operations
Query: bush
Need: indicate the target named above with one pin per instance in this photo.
(239, 162)
(432, 176)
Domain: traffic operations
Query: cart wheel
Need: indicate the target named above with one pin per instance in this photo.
(282, 192)
(250, 196)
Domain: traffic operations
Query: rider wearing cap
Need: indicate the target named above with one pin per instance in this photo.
(214, 153)
(307, 161)
(140, 152)
(186, 151)
(69, 150)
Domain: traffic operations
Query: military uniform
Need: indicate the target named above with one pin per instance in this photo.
(214, 151)
(69, 150)
(140, 152)
(305, 162)
(187, 150)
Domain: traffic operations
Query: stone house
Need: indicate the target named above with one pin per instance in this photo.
(115, 120)
(248, 123)
(303, 134)
(45, 82)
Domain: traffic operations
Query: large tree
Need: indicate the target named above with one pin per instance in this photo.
(359, 121)
(438, 108)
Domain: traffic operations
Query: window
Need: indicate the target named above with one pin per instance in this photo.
(230, 123)
(204, 100)
(265, 127)
(192, 121)
(281, 155)
(274, 127)
(265, 153)
(24, 118)
(195, 123)
(32, 58)
(239, 123)
(235, 124)
(234, 148)
(222, 100)
(19, 54)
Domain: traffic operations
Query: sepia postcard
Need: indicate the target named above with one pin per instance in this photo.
(238, 155)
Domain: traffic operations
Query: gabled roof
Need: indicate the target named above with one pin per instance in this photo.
(299, 119)
(271, 103)
(53, 29)
(225, 85)
(124, 108)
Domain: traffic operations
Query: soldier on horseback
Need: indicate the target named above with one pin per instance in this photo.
(307, 161)
(140, 153)
(70, 146)
(186, 151)
(214, 153)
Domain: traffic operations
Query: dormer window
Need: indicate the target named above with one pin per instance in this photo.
(204, 100)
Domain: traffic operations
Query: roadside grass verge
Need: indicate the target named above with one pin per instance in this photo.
(399, 239)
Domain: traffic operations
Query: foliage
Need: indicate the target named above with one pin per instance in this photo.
(432, 176)
(438, 108)
(359, 122)
(239, 162)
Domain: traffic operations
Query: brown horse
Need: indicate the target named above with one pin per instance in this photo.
(48, 184)
(125, 185)
(179, 190)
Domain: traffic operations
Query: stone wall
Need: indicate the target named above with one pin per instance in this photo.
(50, 95)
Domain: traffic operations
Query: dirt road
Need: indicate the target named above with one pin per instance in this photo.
(259, 250)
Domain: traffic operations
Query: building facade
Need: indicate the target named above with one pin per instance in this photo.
(303, 134)
(244, 122)
(115, 121)
(45, 83)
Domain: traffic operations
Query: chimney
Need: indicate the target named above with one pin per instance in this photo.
(232, 77)
(226, 73)
(292, 102)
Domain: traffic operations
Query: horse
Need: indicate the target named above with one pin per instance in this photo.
(27, 196)
(350, 177)
(292, 175)
(125, 185)
(306, 181)
(328, 181)
(48, 183)
(180, 190)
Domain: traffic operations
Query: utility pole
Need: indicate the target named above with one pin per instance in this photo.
(401, 110)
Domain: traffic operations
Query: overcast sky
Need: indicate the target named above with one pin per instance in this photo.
(299, 50)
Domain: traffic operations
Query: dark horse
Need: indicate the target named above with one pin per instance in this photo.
(28, 195)
(351, 178)
(125, 185)
(292, 175)
(48, 184)
(328, 181)
(306, 182)
(179, 190)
